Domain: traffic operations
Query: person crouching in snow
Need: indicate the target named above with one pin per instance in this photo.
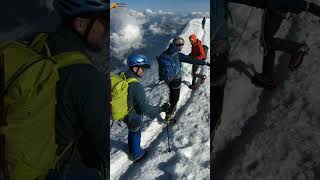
(138, 105)
(199, 53)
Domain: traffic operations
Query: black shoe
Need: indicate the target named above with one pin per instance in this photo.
(169, 119)
(297, 58)
(264, 81)
(203, 78)
(137, 159)
(193, 87)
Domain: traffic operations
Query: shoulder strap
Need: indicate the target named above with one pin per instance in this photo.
(69, 58)
(39, 42)
(129, 80)
(62, 59)
(132, 80)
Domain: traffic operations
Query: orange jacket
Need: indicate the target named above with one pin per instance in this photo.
(198, 51)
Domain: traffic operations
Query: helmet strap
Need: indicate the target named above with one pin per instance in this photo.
(90, 25)
(136, 73)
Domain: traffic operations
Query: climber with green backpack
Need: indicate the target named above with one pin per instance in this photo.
(54, 112)
(129, 102)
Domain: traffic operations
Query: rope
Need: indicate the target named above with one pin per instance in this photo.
(263, 48)
(243, 30)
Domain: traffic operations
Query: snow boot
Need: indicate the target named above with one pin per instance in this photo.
(203, 78)
(264, 81)
(169, 118)
(193, 87)
(297, 58)
(134, 139)
(195, 84)
(137, 159)
(170, 115)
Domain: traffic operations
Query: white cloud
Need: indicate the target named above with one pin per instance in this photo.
(193, 13)
(129, 27)
(155, 28)
(173, 31)
(164, 12)
(126, 32)
(136, 14)
(149, 11)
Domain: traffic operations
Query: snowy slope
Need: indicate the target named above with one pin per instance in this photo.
(190, 136)
(270, 135)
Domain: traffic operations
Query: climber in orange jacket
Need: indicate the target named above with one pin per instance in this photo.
(200, 53)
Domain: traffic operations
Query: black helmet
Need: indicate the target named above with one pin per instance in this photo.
(78, 7)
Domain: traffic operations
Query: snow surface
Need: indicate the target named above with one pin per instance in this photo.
(189, 137)
(270, 134)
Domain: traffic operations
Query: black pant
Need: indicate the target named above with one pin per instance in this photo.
(271, 21)
(194, 75)
(174, 87)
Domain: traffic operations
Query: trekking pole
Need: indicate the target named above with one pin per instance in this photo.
(150, 90)
(169, 150)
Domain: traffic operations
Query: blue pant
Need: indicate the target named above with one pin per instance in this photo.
(134, 123)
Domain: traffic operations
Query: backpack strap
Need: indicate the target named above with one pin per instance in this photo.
(132, 80)
(39, 42)
(71, 148)
(129, 80)
(70, 58)
(63, 59)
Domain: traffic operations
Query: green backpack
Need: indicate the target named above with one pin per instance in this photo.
(119, 95)
(28, 100)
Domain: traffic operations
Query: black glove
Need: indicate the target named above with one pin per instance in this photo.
(207, 64)
(165, 107)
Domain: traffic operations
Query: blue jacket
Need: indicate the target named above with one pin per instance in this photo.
(137, 99)
(179, 57)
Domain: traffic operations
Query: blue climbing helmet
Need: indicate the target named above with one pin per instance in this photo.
(72, 8)
(138, 60)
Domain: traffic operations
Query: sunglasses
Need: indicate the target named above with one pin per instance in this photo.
(180, 44)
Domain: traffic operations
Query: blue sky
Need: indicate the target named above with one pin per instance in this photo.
(168, 5)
